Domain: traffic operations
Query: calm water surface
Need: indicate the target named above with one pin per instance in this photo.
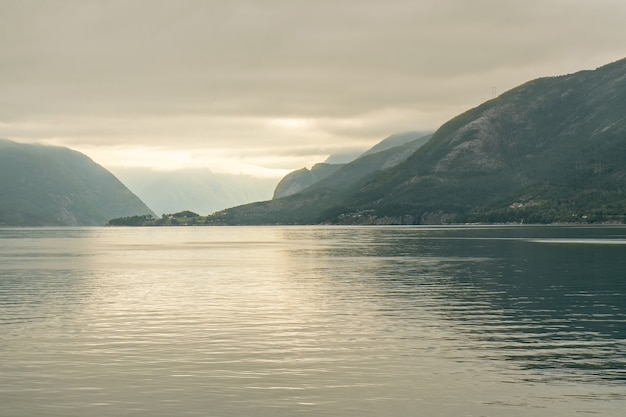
(313, 321)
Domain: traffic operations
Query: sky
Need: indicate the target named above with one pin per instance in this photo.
(268, 86)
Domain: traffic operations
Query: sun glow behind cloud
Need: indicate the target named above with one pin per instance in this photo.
(267, 87)
(290, 123)
(160, 159)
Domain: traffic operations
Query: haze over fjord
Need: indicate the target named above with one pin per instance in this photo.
(263, 88)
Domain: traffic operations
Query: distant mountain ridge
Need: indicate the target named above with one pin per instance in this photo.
(198, 190)
(56, 186)
(550, 150)
(389, 152)
(395, 140)
(296, 181)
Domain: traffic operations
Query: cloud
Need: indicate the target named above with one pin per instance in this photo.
(214, 75)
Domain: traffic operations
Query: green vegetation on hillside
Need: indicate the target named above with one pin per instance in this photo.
(183, 218)
(551, 150)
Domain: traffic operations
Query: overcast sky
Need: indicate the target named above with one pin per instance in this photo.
(268, 86)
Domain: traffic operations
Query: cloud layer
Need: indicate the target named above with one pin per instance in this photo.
(244, 81)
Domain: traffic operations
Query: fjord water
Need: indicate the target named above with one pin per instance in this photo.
(313, 321)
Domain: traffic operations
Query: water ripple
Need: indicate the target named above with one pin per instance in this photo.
(311, 321)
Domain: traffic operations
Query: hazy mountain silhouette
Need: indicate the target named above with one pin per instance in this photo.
(296, 181)
(56, 186)
(389, 152)
(198, 190)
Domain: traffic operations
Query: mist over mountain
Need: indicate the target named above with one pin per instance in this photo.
(397, 139)
(390, 151)
(198, 190)
(342, 158)
(296, 181)
(550, 150)
(56, 186)
(382, 156)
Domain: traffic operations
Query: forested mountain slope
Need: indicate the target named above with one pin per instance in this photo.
(55, 186)
(550, 150)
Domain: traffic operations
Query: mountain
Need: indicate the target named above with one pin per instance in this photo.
(370, 162)
(56, 186)
(550, 150)
(389, 152)
(395, 140)
(296, 181)
(343, 158)
(198, 190)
